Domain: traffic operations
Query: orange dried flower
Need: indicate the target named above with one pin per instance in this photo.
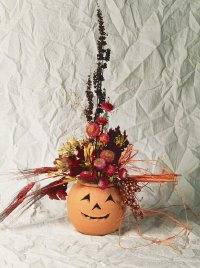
(107, 155)
(104, 138)
(92, 130)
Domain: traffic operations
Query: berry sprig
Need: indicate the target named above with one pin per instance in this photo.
(128, 189)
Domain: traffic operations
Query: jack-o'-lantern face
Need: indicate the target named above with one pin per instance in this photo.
(97, 206)
(94, 211)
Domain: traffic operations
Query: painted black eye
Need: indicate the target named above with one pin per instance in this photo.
(87, 197)
(110, 198)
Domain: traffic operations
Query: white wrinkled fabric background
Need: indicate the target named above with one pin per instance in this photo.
(47, 49)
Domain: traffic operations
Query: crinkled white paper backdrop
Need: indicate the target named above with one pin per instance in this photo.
(47, 49)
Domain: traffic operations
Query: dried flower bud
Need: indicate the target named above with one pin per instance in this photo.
(101, 120)
(107, 106)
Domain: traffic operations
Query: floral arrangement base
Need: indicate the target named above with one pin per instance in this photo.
(94, 211)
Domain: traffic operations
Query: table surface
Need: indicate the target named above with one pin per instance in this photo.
(57, 244)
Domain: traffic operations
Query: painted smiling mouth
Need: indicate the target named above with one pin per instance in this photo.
(95, 218)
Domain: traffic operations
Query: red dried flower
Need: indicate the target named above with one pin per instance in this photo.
(86, 175)
(107, 106)
(104, 138)
(92, 130)
(100, 163)
(107, 155)
(103, 183)
(101, 121)
(122, 173)
(110, 170)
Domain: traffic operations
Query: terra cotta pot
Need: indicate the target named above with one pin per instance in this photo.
(94, 211)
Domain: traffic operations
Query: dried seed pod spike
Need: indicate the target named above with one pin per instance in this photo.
(103, 56)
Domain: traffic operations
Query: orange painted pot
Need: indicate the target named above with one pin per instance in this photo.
(93, 211)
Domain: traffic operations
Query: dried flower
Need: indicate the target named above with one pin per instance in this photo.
(107, 155)
(92, 130)
(88, 153)
(104, 138)
(86, 175)
(122, 173)
(120, 140)
(107, 106)
(69, 147)
(101, 120)
(103, 183)
(110, 170)
(113, 133)
(100, 163)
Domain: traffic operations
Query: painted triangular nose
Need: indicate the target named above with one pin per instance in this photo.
(96, 206)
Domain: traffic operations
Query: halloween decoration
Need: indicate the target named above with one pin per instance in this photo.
(103, 166)
(93, 211)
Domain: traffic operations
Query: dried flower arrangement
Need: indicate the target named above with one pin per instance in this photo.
(104, 159)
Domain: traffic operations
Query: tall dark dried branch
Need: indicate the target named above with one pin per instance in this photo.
(103, 56)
